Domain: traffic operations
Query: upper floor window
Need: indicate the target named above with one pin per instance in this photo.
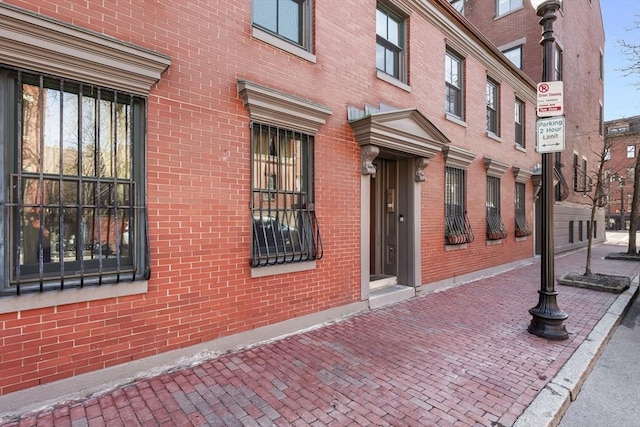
(600, 119)
(630, 174)
(618, 129)
(284, 224)
(519, 122)
(287, 19)
(458, 5)
(454, 84)
(75, 163)
(492, 106)
(631, 151)
(515, 55)
(601, 67)
(557, 63)
(505, 6)
(390, 43)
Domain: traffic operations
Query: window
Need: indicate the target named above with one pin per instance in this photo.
(495, 227)
(283, 223)
(557, 63)
(585, 178)
(631, 151)
(284, 227)
(286, 19)
(505, 6)
(458, 5)
(562, 188)
(576, 172)
(607, 154)
(522, 225)
(580, 233)
(454, 84)
(600, 120)
(519, 122)
(75, 164)
(618, 129)
(492, 107)
(571, 232)
(457, 226)
(390, 43)
(601, 67)
(515, 56)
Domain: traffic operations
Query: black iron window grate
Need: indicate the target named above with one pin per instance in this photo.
(562, 187)
(72, 205)
(285, 228)
(457, 226)
(495, 226)
(522, 225)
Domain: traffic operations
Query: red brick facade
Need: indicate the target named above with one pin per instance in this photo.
(199, 179)
(579, 33)
(623, 137)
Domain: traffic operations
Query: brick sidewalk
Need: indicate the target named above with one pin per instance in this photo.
(459, 357)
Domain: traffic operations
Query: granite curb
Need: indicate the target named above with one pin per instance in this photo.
(552, 401)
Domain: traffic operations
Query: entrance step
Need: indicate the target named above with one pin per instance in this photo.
(379, 297)
(380, 281)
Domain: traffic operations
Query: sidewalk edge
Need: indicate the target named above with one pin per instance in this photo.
(552, 401)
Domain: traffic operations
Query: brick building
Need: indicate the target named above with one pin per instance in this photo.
(578, 61)
(623, 140)
(182, 177)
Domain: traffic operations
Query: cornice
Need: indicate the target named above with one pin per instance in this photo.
(42, 44)
(277, 108)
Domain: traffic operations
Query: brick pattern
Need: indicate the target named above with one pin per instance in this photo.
(460, 357)
(198, 181)
(579, 31)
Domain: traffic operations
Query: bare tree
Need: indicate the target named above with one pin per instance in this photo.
(632, 53)
(598, 197)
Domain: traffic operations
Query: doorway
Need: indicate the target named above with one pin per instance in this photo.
(389, 240)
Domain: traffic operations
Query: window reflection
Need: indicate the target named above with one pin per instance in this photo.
(74, 181)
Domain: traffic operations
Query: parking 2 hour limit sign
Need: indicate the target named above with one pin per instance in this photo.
(550, 135)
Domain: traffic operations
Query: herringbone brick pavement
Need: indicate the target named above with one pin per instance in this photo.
(460, 357)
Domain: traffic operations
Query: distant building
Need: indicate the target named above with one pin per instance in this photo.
(579, 62)
(623, 138)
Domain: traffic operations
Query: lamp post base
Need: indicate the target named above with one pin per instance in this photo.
(548, 319)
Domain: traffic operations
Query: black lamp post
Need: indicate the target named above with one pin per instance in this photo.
(548, 318)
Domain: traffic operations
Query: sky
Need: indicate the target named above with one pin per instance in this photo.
(621, 94)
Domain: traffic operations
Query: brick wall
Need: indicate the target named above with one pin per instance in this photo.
(199, 184)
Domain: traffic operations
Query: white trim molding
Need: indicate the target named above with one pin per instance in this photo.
(41, 44)
(272, 107)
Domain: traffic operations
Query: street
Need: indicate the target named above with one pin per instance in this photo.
(611, 393)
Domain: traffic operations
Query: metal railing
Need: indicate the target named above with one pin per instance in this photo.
(458, 229)
(495, 227)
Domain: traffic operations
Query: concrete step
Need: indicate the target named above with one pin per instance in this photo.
(380, 281)
(390, 294)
